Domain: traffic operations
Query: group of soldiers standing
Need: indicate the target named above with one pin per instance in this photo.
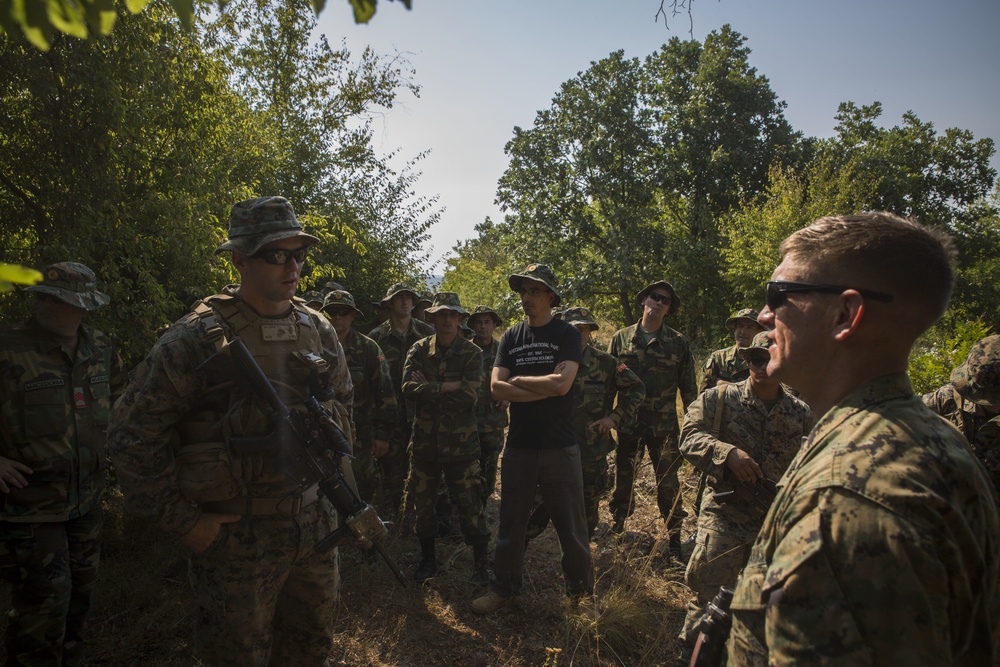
(425, 402)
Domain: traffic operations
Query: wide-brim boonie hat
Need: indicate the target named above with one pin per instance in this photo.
(978, 379)
(340, 298)
(446, 301)
(748, 314)
(256, 222)
(425, 297)
(72, 283)
(314, 296)
(759, 342)
(400, 288)
(540, 273)
(675, 300)
(580, 316)
(486, 310)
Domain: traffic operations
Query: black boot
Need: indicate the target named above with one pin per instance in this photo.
(480, 554)
(674, 547)
(428, 566)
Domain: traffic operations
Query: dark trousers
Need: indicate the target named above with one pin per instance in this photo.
(558, 475)
(665, 458)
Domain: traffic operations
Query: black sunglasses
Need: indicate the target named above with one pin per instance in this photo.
(280, 255)
(776, 292)
(659, 298)
(757, 359)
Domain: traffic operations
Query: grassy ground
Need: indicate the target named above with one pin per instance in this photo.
(142, 611)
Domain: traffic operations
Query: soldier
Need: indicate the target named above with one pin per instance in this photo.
(535, 367)
(394, 337)
(600, 380)
(375, 412)
(736, 434)
(314, 299)
(972, 403)
(661, 357)
(58, 379)
(881, 546)
(441, 376)
(491, 415)
(264, 594)
(420, 307)
(727, 365)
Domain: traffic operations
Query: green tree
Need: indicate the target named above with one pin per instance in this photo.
(478, 270)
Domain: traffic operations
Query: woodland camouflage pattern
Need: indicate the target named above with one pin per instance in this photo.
(725, 530)
(980, 428)
(725, 365)
(491, 420)
(880, 547)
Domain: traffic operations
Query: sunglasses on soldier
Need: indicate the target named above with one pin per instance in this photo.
(659, 298)
(757, 359)
(776, 292)
(281, 255)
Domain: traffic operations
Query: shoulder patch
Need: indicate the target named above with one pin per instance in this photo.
(621, 367)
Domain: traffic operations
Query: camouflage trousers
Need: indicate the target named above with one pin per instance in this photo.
(264, 595)
(464, 490)
(366, 471)
(53, 567)
(596, 483)
(666, 459)
(395, 467)
(721, 550)
(490, 444)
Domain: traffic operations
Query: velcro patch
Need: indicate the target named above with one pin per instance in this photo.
(278, 332)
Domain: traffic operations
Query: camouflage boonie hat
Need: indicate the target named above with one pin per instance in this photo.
(748, 314)
(73, 283)
(581, 316)
(332, 286)
(340, 298)
(447, 301)
(675, 300)
(978, 379)
(313, 296)
(759, 342)
(486, 310)
(540, 272)
(256, 222)
(425, 297)
(400, 288)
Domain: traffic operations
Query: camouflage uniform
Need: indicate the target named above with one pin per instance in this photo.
(881, 546)
(726, 530)
(724, 365)
(665, 366)
(54, 406)
(492, 420)
(264, 594)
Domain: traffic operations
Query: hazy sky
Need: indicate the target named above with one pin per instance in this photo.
(486, 67)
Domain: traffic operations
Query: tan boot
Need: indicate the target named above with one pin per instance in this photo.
(490, 602)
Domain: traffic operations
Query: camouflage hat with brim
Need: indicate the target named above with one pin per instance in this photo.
(747, 315)
(339, 299)
(256, 222)
(424, 298)
(537, 272)
(759, 342)
(332, 286)
(446, 301)
(400, 288)
(486, 310)
(675, 301)
(978, 379)
(580, 317)
(73, 283)
(313, 296)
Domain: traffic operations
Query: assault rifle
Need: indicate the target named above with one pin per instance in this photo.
(754, 497)
(311, 445)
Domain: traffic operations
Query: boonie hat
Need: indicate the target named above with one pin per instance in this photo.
(759, 342)
(313, 296)
(400, 288)
(978, 379)
(446, 301)
(580, 316)
(748, 314)
(540, 272)
(256, 222)
(425, 297)
(675, 301)
(485, 310)
(73, 283)
(340, 298)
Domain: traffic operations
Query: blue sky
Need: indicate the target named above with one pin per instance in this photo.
(486, 67)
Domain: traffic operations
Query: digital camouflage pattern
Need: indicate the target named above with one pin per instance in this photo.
(880, 547)
(980, 428)
(725, 365)
(491, 420)
(726, 531)
(978, 379)
(253, 223)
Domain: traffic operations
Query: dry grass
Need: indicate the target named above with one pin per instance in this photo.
(142, 611)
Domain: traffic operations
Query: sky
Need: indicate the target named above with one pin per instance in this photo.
(487, 67)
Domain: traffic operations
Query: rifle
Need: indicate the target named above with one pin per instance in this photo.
(754, 497)
(713, 630)
(312, 446)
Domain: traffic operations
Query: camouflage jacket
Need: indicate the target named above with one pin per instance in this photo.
(394, 346)
(979, 427)
(444, 425)
(170, 400)
(772, 438)
(54, 419)
(881, 546)
(599, 381)
(724, 365)
(666, 367)
(490, 417)
(375, 413)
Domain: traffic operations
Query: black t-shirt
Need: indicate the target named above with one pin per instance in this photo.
(525, 350)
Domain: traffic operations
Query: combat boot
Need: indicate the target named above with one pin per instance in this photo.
(674, 547)
(480, 554)
(427, 567)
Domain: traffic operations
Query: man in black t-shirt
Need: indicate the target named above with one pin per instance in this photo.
(534, 370)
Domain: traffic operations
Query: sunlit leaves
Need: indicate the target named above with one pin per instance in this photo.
(12, 274)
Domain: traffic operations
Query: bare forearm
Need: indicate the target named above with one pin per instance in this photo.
(505, 391)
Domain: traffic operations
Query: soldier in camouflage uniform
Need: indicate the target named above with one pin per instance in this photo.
(424, 302)
(395, 336)
(491, 415)
(736, 434)
(442, 375)
(600, 380)
(972, 403)
(881, 546)
(58, 380)
(727, 365)
(661, 357)
(264, 594)
(375, 412)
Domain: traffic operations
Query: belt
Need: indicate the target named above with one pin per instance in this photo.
(254, 506)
